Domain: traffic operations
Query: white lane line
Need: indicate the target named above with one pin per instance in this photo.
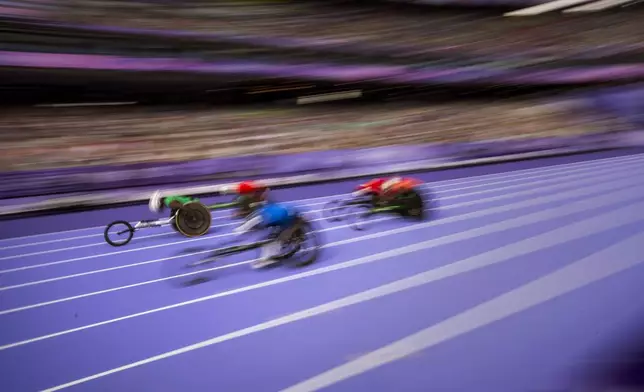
(556, 187)
(548, 173)
(546, 240)
(594, 174)
(558, 180)
(438, 184)
(546, 199)
(609, 261)
(521, 173)
(597, 223)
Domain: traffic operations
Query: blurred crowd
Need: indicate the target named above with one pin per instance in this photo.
(461, 32)
(38, 138)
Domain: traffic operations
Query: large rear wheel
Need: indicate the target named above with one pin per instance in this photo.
(413, 206)
(193, 219)
(302, 248)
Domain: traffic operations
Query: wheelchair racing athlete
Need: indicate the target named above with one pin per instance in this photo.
(386, 187)
(281, 220)
(158, 203)
(399, 192)
(249, 193)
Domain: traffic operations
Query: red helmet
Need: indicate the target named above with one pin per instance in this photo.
(248, 187)
(375, 183)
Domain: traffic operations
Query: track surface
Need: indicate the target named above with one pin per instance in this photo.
(525, 273)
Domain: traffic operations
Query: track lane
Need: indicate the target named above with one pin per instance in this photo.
(89, 351)
(19, 295)
(18, 264)
(270, 300)
(474, 186)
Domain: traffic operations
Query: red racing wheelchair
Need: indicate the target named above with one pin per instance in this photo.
(398, 195)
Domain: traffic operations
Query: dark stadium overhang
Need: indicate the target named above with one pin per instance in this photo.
(43, 87)
(529, 7)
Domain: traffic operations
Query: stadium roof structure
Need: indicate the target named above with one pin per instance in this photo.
(534, 7)
(572, 6)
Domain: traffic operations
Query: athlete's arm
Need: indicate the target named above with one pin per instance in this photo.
(360, 192)
(250, 224)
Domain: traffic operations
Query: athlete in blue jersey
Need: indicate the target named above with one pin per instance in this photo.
(281, 220)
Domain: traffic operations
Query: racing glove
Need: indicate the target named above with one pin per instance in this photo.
(156, 202)
(249, 225)
(360, 192)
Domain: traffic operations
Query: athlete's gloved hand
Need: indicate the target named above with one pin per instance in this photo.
(156, 202)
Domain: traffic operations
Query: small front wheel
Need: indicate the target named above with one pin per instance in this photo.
(360, 217)
(119, 233)
(334, 210)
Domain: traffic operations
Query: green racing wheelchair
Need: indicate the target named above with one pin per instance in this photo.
(192, 219)
(188, 216)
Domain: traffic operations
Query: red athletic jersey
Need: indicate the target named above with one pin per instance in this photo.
(374, 185)
(399, 184)
(393, 185)
(408, 183)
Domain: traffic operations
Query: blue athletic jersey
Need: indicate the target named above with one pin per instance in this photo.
(274, 214)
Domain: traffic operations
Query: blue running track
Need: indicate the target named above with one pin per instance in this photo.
(524, 274)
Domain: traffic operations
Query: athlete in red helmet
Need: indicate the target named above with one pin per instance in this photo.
(396, 186)
(248, 194)
(387, 188)
(370, 188)
(249, 187)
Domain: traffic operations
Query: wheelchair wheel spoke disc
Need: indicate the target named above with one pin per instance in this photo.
(302, 249)
(193, 219)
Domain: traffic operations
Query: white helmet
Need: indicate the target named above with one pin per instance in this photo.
(156, 202)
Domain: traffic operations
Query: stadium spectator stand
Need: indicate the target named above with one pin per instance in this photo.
(462, 32)
(36, 138)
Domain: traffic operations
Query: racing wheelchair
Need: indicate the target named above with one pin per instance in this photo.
(300, 246)
(244, 205)
(359, 211)
(192, 219)
(188, 216)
